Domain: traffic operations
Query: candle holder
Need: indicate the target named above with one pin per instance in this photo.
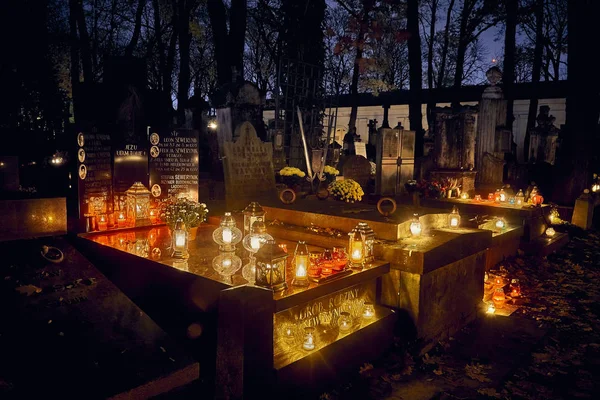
(515, 288)
(415, 226)
(270, 267)
(491, 308)
(138, 204)
(520, 198)
(102, 222)
(227, 235)
(309, 338)
(301, 265)
(464, 196)
(357, 248)
(227, 263)
(502, 196)
(499, 298)
(179, 242)
(500, 223)
(454, 219)
(368, 310)
(345, 322)
(252, 213)
(257, 237)
(477, 198)
(121, 220)
(550, 232)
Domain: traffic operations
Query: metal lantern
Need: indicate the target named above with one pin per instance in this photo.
(415, 226)
(251, 214)
(356, 244)
(301, 265)
(454, 218)
(257, 237)
(138, 204)
(227, 235)
(369, 240)
(270, 266)
(179, 242)
(520, 198)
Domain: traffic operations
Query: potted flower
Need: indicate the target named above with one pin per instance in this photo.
(190, 212)
(330, 173)
(347, 190)
(292, 177)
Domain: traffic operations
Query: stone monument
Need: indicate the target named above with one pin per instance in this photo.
(248, 168)
(395, 159)
(493, 137)
(358, 168)
(454, 146)
(544, 138)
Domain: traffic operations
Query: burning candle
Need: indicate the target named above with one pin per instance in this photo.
(345, 321)
(550, 232)
(368, 310)
(179, 239)
(121, 220)
(254, 242)
(499, 298)
(491, 309)
(464, 196)
(309, 338)
(500, 224)
(454, 222)
(477, 197)
(102, 223)
(227, 235)
(226, 263)
(152, 216)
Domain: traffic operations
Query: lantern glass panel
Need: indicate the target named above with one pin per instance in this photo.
(138, 204)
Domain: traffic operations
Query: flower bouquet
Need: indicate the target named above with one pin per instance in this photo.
(347, 190)
(432, 189)
(291, 176)
(190, 212)
(330, 173)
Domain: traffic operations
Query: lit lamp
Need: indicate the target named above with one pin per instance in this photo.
(368, 310)
(415, 226)
(520, 198)
(121, 221)
(515, 288)
(497, 196)
(511, 200)
(251, 214)
(152, 216)
(595, 187)
(499, 298)
(454, 218)
(227, 235)
(369, 241)
(270, 267)
(102, 223)
(180, 240)
(301, 265)
(550, 232)
(500, 223)
(227, 263)
(356, 246)
(502, 196)
(464, 196)
(252, 243)
(536, 197)
(477, 197)
(491, 309)
(309, 338)
(554, 215)
(138, 204)
(345, 322)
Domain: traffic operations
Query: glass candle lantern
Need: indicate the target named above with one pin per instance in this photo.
(554, 215)
(270, 266)
(339, 253)
(283, 246)
(477, 197)
(500, 223)
(454, 219)
(227, 263)
(499, 298)
(301, 265)
(595, 187)
(497, 196)
(368, 310)
(502, 196)
(309, 338)
(537, 199)
(357, 249)
(153, 216)
(257, 237)
(138, 204)
(179, 240)
(515, 288)
(511, 200)
(491, 309)
(121, 221)
(464, 196)
(227, 235)
(345, 322)
(251, 214)
(520, 198)
(550, 232)
(368, 241)
(415, 226)
(102, 222)
(491, 196)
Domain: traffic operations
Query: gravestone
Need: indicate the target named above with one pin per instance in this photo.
(360, 149)
(174, 164)
(248, 168)
(94, 173)
(544, 137)
(357, 168)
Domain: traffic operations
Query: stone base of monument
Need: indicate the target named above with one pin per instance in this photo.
(544, 245)
(436, 280)
(505, 242)
(466, 179)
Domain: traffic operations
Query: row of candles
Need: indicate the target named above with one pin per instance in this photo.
(119, 220)
(500, 196)
(499, 296)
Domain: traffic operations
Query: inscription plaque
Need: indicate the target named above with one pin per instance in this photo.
(95, 173)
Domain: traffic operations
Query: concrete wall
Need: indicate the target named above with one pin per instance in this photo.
(399, 113)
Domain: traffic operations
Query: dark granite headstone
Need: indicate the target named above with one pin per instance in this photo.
(94, 173)
(248, 167)
(174, 164)
(357, 168)
(131, 165)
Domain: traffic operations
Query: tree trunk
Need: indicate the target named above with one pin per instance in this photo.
(416, 75)
(237, 37)
(159, 42)
(218, 23)
(509, 59)
(84, 42)
(535, 73)
(184, 59)
(135, 36)
(461, 50)
(583, 104)
(74, 56)
(430, 84)
(442, 73)
(356, 73)
(170, 63)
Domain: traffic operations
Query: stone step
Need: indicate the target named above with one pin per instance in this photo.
(544, 245)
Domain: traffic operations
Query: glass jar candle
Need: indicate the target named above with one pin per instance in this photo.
(499, 298)
(368, 310)
(309, 338)
(345, 322)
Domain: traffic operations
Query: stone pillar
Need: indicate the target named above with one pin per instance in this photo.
(387, 154)
(489, 158)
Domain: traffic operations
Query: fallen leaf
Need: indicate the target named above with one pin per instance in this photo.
(28, 289)
(490, 392)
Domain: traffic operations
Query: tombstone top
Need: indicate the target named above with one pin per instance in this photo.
(357, 168)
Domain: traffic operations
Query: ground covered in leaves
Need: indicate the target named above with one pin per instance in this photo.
(556, 354)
